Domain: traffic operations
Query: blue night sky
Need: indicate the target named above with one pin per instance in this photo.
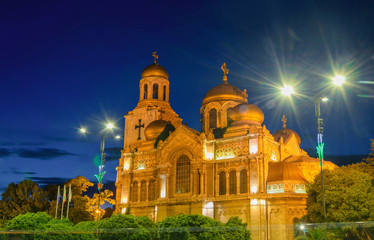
(66, 64)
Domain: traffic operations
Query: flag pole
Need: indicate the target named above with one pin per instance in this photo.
(63, 201)
(69, 199)
(58, 196)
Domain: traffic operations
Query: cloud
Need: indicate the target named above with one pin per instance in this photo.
(42, 153)
(42, 181)
(5, 152)
(14, 171)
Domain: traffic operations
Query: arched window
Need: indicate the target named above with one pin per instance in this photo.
(145, 91)
(152, 190)
(232, 182)
(135, 192)
(243, 181)
(164, 94)
(228, 119)
(143, 191)
(155, 91)
(183, 175)
(222, 183)
(213, 118)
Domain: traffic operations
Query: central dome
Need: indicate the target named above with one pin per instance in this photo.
(154, 129)
(246, 112)
(155, 70)
(286, 133)
(225, 92)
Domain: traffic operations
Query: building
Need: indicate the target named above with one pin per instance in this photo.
(233, 167)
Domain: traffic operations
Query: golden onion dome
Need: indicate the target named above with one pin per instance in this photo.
(286, 133)
(284, 171)
(246, 112)
(155, 70)
(225, 92)
(154, 129)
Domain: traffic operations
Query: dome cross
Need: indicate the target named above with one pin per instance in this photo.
(155, 56)
(284, 120)
(225, 71)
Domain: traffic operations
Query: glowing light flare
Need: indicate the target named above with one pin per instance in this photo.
(302, 227)
(287, 90)
(254, 202)
(338, 80)
(82, 130)
(109, 125)
(324, 99)
(123, 210)
(117, 137)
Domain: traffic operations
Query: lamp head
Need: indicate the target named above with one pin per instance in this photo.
(287, 90)
(82, 130)
(338, 80)
(110, 125)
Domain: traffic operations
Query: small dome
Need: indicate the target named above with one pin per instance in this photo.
(246, 112)
(225, 92)
(286, 133)
(155, 70)
(284, 171)
(154, 129)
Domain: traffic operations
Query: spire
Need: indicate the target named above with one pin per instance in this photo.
(284, 120)
(225, 72)
(155, 56)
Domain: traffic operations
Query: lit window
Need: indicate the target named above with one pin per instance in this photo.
(135, 192)
(183, 175)
(222, 183)
(213, 118)
(152, 190)
(143, 191)
(243, 181)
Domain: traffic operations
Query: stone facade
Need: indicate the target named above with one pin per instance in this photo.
(233, 167)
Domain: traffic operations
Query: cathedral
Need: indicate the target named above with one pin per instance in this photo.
(234, 166)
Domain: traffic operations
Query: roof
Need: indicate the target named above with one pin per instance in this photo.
(284, 171)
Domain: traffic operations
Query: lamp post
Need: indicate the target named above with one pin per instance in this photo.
(320, 144)
(99, 177)
(287, 90)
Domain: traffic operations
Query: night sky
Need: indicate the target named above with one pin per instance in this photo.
(67, 64)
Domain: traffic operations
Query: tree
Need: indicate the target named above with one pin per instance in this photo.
(121, 227)
(20, 198)
(349, 197)
(41, 226)
(370, 158)
(188, 227)
(79, 206)
(314, 234)
(105, 196)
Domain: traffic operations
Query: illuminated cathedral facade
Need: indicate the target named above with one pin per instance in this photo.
(233, 167)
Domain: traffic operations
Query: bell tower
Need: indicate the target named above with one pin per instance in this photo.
(153, 104)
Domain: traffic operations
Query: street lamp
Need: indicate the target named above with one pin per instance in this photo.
(287, 90)
(99, 177)
(338, 80)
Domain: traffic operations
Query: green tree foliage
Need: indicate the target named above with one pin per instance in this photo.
(349, 197)
(314, 234)
(20, 198)
(191, 227)
(40, 226)
(121, 227)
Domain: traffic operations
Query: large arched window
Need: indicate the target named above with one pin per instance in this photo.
(152, 190)
(135, 190)
(232, 182)
(155, 91)
(143, 191)
(243, 181)
(145, 96)
(183, 175)
(213, 118)
(222, 183)
(164, 94)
